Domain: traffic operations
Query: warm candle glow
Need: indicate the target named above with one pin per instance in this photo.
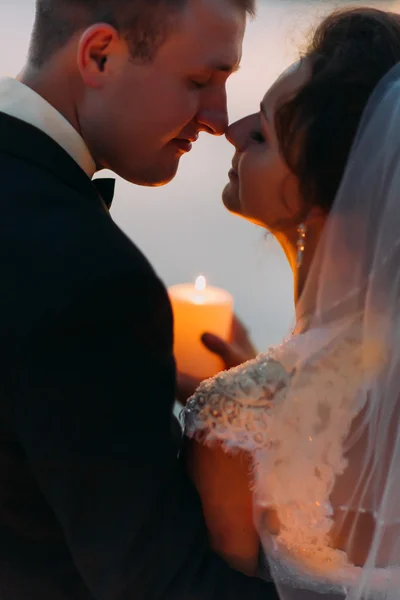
(200, 283)
(199, 308)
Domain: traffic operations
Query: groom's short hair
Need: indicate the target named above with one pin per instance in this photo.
(144, 23)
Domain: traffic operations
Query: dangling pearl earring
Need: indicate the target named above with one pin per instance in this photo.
(302, 231)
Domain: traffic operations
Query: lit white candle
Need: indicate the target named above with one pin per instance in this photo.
(199, 309)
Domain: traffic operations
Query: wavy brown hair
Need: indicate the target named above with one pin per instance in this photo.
(349, 53)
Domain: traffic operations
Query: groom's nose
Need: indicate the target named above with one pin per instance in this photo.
(213, 119)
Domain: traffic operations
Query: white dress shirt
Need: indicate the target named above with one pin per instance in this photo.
(20, 101)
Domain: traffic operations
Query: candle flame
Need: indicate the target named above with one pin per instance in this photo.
(200, 283)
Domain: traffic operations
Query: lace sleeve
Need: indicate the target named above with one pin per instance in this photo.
(233, 407)
(244, 408)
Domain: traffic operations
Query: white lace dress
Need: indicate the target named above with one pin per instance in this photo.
(293, 418)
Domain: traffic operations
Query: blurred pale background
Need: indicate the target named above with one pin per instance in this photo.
(183, 227)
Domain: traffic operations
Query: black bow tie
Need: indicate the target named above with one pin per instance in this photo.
(105, 187)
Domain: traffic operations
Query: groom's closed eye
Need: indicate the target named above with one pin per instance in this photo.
(225, 68)
(198, 84)
(202, 80)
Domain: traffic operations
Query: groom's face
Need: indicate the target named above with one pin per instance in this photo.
(142, 117)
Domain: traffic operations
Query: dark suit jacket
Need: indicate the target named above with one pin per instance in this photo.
(94, 503)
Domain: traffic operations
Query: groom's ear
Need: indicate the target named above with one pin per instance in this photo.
(98, 51)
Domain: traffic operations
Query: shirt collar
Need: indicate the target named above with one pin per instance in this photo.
(21, 102)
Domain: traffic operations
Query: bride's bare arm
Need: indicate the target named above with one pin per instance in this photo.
(224, 484)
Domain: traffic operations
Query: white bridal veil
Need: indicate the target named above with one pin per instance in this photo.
(362, 297)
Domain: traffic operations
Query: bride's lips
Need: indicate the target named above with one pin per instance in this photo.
(232, 174)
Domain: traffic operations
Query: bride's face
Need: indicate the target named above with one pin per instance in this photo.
(261, 187)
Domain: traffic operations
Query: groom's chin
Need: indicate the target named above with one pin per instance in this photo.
(155, 176)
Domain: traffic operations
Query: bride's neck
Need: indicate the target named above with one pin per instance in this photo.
(288, 239)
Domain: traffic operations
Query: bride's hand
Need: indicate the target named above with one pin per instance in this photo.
(238, 350)
(233, 353)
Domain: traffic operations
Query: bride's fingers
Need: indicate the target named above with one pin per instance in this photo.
(230, 354)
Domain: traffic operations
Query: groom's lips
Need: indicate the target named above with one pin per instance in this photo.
(185, 144)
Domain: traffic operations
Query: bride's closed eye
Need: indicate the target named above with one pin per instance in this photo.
(257, 136)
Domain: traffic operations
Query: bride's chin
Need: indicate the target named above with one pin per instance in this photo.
(231, 200)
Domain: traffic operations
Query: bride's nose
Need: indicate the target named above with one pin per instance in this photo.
(232, 134)
(238, 132)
